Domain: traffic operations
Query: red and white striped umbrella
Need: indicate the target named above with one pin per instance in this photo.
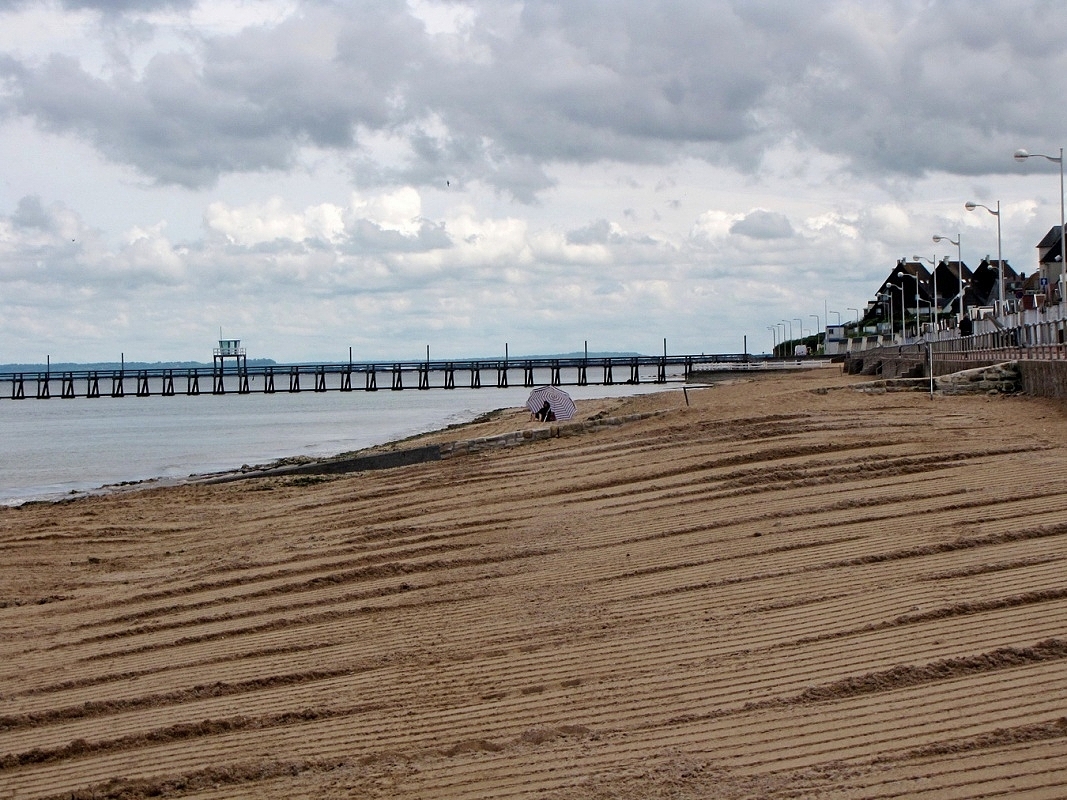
(559, 402)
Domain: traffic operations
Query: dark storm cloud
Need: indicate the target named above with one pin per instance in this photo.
(890, 87)
(582, 81)
(904, 88)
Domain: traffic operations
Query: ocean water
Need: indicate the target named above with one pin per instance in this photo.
(53, 448)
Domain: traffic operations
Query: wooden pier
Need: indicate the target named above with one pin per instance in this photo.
(239, 378)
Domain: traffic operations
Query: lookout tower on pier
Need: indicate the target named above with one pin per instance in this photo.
(230, 348)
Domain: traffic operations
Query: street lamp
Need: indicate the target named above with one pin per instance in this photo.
(831, 311)
(929, 347)
(933, 269)
(887, 299)
(774, 337)
(1022, 155)
(915, 278)
(790, 324)
(1000, 258)
(903, 308)
(849, 308)
(959, 263)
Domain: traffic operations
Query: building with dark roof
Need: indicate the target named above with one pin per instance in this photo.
(911, 292)
(1050, 264)
(985, 283)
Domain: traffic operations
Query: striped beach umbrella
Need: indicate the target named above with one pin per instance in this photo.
(559, 402)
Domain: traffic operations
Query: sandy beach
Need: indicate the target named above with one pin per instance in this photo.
(785, 588)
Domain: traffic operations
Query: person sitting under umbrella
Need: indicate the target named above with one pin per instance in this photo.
(545, 414)
(550, 403)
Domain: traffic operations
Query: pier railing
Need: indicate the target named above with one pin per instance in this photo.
(348, 376)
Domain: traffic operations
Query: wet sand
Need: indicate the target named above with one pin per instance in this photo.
(784, 589)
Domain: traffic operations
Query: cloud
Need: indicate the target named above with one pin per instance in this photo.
(761, 224)
(31, 214)
(553, 168)
(107, 6)
(267, 222)
(878, 84)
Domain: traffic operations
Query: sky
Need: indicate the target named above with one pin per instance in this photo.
(472, 177)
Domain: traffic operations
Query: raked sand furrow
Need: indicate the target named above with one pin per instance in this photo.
(1030, 768)
(751, 741)
(665, 645)
(773, 592)
(662, 646)
(648, 688)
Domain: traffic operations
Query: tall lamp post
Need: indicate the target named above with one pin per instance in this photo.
(915, 279)
(929, 349)
(790, 324)
(1022, 155)
(933, 271)
(774, 337)
(887, 298)
(1000, 258)
(903, 308)
(959, 264)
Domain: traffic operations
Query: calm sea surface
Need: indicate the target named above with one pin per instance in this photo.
(52, 448)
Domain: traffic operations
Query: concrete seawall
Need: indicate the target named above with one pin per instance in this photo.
(1044, 378)
(1037, 377)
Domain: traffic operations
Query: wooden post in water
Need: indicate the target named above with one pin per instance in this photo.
(346, 378)
(44, 390)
